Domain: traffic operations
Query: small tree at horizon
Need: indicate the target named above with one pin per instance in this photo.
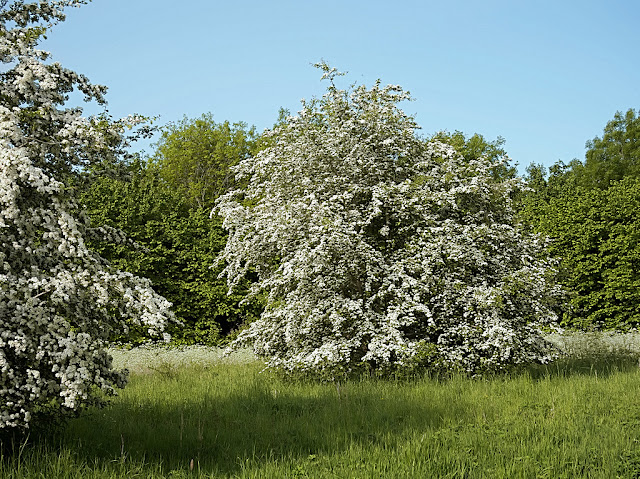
(194, 156)
(377, 249)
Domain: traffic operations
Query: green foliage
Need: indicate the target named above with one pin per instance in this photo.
(163, 208)
(617, 154)
(597, 234)
(175, 247)
(194, 156)
(559, 179)
(590, 211)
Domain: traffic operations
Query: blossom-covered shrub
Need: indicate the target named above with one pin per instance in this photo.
(58, 300)
(374, 247)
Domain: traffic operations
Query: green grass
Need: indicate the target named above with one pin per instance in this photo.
(577, 418)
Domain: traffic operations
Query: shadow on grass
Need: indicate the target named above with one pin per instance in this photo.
(224, 421)
(267, 420)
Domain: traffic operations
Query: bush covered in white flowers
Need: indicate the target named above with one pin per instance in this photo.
(58, 301)
(377, 248)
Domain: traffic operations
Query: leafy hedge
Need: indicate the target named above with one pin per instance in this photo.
(596, 232)
(177, 246)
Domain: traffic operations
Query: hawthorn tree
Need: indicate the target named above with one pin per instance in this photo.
(376, 249)
(59, 301)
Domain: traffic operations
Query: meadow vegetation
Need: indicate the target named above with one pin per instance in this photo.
(188, 413)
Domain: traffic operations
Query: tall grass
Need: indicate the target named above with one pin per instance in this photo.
(579, 417)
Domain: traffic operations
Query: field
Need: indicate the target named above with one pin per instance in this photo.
(189, 413)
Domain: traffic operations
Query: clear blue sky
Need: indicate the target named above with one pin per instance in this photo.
(544, 75)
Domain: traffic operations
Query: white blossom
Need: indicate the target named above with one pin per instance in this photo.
(59, 302)
(374, 246)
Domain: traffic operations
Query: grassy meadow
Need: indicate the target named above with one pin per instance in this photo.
(189, 413)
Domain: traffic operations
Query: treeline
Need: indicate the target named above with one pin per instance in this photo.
(588, 210)
(591, 212)
(162, 204)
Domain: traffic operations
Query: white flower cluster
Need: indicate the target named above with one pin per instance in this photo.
(374, 246)
(59, 302)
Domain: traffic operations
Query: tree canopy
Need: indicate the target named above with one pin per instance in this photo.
(610, 158)
(195, 156)
(376, 249)
(589, 210)
(616, 154)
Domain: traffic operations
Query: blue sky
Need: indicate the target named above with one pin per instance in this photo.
(544, 75)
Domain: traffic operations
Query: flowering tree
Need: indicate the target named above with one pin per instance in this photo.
(373, 247)
(58, 300)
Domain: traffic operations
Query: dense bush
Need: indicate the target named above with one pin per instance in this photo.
(589, 209)
(375, 248)
(175, 245)
(59, 301)
(596, 232)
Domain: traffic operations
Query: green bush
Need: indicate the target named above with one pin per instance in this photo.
(596, 233)
(175, 247)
